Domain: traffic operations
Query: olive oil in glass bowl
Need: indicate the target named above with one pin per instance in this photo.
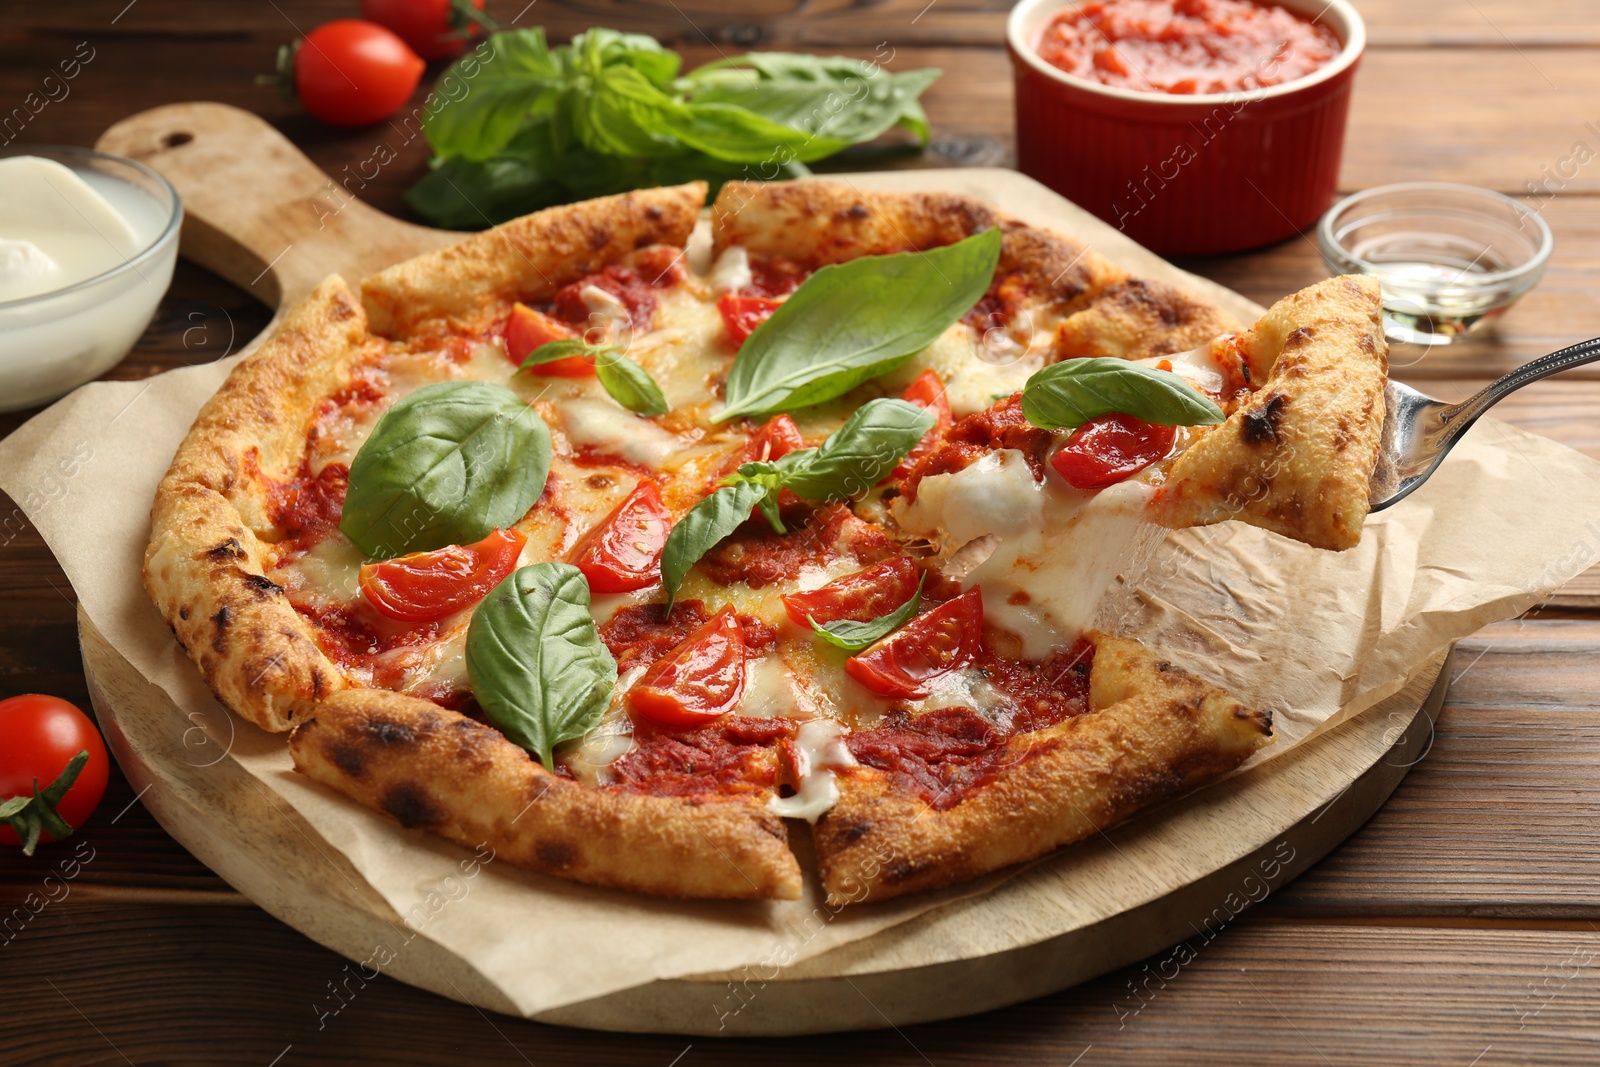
(1451, 258)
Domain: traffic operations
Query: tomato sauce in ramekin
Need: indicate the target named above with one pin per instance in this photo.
(1186, 46)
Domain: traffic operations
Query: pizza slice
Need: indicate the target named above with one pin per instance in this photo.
(628, 561)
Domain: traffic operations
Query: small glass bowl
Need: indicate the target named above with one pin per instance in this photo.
(53, 342)
(1451, 258)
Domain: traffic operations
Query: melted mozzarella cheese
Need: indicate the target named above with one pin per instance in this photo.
(731, 271)
(996, 494)
(1053, 551)
(822, 751)
(961, 689)
(1197, 366)
(615, 431)
(590, 757)
(330, 571)
(975, 370)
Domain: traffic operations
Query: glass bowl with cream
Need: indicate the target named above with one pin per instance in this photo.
(87, 246)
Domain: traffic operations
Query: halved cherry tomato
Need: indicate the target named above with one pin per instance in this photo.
(1104, 451)
(742, 314)
(39, 735)
(700, 680)
(351, 72)
(777, 438)
(424, 586)
(926, 391)
(623, 553)
(437, 29)
(862, 596)
(528, 328)
(931, 645)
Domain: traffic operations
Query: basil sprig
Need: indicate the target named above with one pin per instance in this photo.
(852, 460)
(708, 522)
(627, 383)
(850, 322)
(854, 636)
(1072, 392)
(444, 466)
(520, 125)
(538, 667)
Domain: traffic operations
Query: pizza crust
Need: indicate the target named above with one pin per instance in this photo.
(1297, 457)
(1153, 731)
(205, 566)
(818, 222)
(436, 769)
(527, 259)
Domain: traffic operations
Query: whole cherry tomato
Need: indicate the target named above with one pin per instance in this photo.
(861, 597)
(39, 736)
(1104, 451)
(435, 29)
(623, 553)
(928, 647)
(424, 586)
(354, 73)
(699, 681)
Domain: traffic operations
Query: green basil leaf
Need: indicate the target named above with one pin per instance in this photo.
(857, 455)
(629, 384)
(551, 351)
(845, 100)
(850, 322)
(708, 522)
(444, 466)
(538, 667)
(601, 47)
(855, 636)
(1072, 392)
(487, 93)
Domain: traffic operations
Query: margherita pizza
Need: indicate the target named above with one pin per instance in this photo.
(552, 540)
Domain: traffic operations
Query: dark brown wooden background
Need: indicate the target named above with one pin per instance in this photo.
(1457, 928)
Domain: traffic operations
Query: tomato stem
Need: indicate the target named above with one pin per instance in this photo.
(464, 14)
(32, 816)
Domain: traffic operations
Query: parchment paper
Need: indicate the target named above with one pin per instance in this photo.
(1315, 636)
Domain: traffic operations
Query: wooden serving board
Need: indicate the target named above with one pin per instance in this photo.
(259, 213)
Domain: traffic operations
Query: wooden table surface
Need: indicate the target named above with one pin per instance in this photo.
(1459, 927)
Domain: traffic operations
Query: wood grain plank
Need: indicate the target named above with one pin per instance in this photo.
(1500, 818)
(226, 986)
(796, 24)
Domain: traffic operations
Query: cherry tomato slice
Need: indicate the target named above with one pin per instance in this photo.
(742, 314)
(926, 391)
(1104, 451)
(424, 586)
(353, 73)
(41, 735)
(528, 328)
(623, 553)
(700, 680)
(862, 596)
(929, 646)
(777, 437)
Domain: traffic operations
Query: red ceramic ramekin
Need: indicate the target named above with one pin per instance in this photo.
(1213, 172)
